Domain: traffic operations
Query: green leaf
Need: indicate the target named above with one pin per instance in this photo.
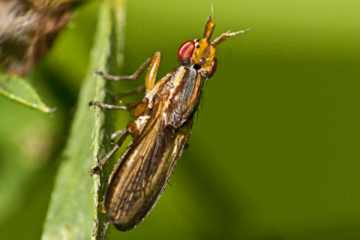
(73, 211)
(19, 90)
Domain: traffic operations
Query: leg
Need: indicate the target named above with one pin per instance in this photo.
(133, 76)
(105, 106)
(117, 134)
(152, 70)
(122, 134)
(153, 66)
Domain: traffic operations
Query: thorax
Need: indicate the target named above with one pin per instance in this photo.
(173, 99)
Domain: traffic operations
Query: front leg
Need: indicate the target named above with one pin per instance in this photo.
(133, 76)
(152, 65)
(150, 79)
(152, 71)
(106, 106)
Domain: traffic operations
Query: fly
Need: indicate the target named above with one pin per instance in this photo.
(160, 129)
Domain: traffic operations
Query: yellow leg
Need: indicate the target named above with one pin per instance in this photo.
(152, 70)
(152, 65)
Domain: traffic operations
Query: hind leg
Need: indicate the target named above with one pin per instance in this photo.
(121, 135)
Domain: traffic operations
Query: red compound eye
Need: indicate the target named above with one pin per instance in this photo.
(185, 52)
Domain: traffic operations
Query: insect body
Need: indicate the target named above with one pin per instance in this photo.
(161, 128)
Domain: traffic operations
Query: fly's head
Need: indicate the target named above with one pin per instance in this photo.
(201, 53)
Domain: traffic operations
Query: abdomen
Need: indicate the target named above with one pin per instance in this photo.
(142, 175)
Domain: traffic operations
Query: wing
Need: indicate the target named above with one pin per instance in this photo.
(143, 174)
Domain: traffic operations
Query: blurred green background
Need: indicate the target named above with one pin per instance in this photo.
(275, 147)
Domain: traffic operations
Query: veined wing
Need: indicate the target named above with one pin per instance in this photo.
(143, 174)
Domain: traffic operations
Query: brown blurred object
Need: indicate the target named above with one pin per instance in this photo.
(28, 29)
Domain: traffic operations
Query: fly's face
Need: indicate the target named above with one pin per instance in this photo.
(204, 58)
(201, 53)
